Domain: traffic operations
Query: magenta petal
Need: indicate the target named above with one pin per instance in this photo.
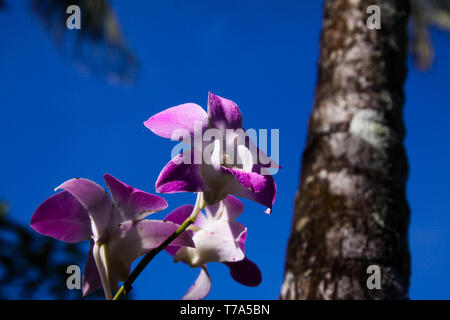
(201, 287)
(177, 176)
(253, 181)
(120, 191)
(178, 216)
(265, 184)
(245, 272)
(148, 234)
(62, 217)
(223, 113)
(218, 183)
(135, 238)
(251, 185)
(94, 199)
(132, 203)
(234, 208)
(172, 250)
(142, 204)
(179, 119)
(212, 210)
(91, 277)
(229, 209)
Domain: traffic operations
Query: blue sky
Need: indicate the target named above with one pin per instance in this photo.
(56, 124)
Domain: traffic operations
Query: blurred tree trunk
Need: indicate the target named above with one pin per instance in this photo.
(351, 210)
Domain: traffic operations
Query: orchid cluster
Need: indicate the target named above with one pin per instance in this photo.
(117, 226)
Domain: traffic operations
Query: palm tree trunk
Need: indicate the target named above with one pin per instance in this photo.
(351, 209)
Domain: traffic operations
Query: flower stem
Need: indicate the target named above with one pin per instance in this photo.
(126, 287)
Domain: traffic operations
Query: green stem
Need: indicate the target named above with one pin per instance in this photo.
(126, 287)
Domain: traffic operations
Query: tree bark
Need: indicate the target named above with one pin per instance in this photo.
(351, 209)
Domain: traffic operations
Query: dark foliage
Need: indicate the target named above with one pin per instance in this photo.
(33, 266)
(98, 47)
(426, 14)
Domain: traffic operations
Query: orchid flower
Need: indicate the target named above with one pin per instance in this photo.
(218, 173)
(217, 238)
(115, 226)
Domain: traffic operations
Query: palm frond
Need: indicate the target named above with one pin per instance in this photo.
(99, 47)
(426, 14)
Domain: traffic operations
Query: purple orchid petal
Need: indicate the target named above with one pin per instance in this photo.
(265, 184)
(178, 176)
(135, 238)
(214, 243)
(251, 185)
(230, 209)
(233, 208)
(91, 277)
(120, 191)
(223, 113)
(172, 250)
(178, 216)
(201, 287)
(252, 181)
(62, 217)
(212, 210)
(142, 236)
(142, 204)
(218, 183)
(95, 200)
(245, 272)
(132, 203)
(183, 118)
